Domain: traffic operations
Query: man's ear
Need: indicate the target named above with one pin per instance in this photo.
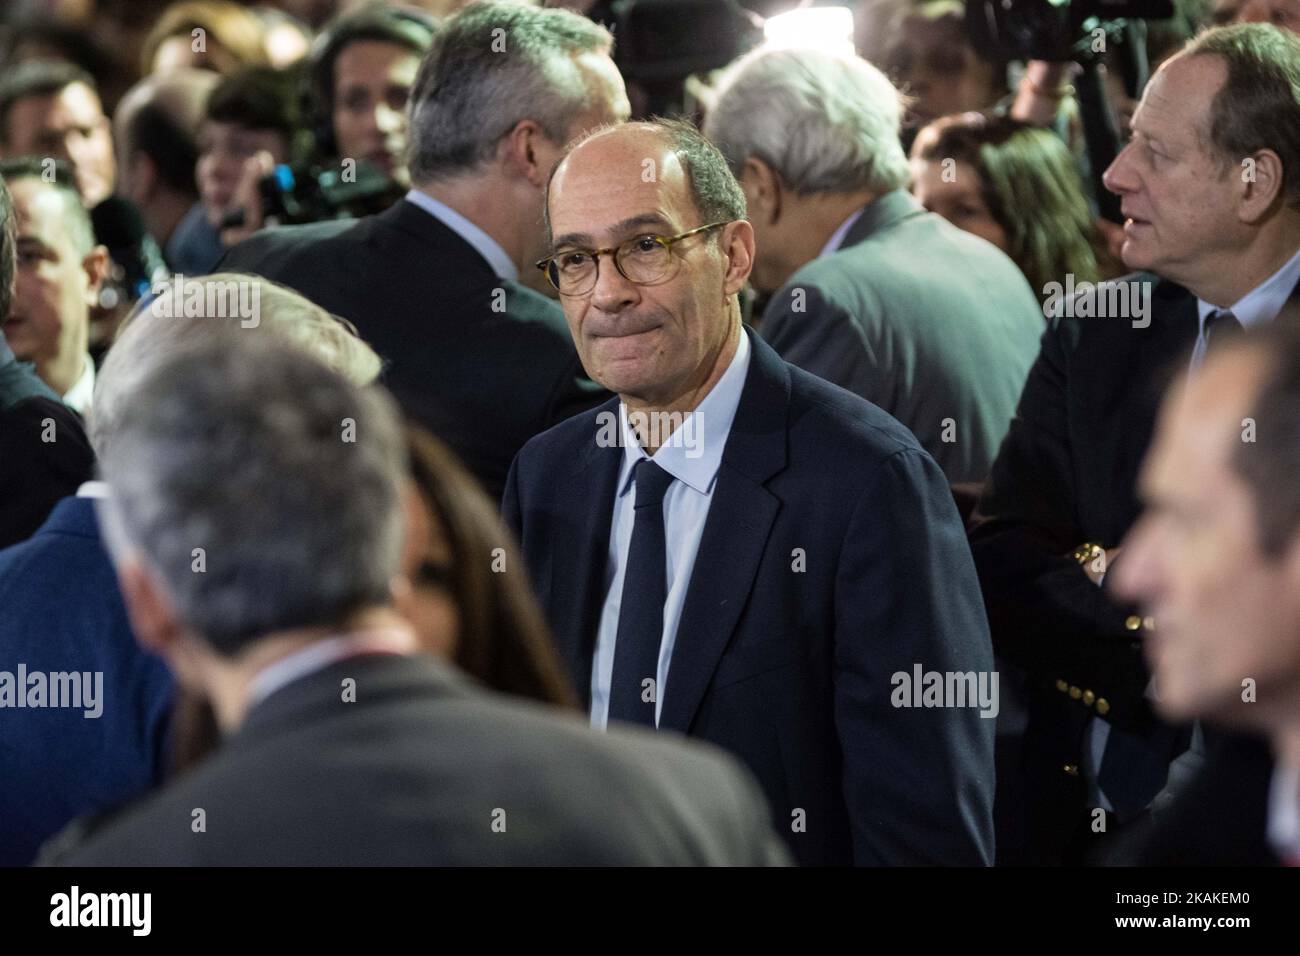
(737, 244)
(763, 191)
(1261, 184)
(96, 266)
(148, 607)
(525, 152)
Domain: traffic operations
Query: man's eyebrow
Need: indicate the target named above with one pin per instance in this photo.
(627, 225)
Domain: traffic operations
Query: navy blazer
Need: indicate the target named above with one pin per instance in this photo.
(60, 610)
(832, 558)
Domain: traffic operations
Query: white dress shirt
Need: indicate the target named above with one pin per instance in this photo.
(83, 389)
(484, 244)
(686, 507)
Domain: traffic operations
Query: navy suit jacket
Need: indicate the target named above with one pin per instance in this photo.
(62, 611)
(832, 558)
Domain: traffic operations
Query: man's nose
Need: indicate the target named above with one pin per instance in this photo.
(1138, 573)
(1119, 177)
(612, 292)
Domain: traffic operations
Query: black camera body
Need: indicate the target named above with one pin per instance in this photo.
(1054, 31)
(300, 194)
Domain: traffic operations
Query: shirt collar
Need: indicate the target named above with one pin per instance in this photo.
(320, 654)
(83, 390)
(1262, 303)
(837, 237)
(93, 489)
(693, 453)
(484, 244)
(6, 353)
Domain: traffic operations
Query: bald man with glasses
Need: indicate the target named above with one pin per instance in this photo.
(739, 551)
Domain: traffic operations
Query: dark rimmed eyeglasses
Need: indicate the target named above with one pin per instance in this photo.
(644, 260)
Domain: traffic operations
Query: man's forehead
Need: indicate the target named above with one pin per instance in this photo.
(603, 183)
(1176, 103)
(39, 208)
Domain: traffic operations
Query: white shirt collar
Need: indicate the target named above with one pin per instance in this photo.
(93, 489)
(693, 453)
(320, 654)
(83, 389)
(1284, 810)
(484, 244)
(1262, 303)
(837, 237)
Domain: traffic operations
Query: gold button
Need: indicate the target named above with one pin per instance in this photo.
(1133, 622)
(1149, 623)
(1072, 769)
(1102, 705)
(1075, 693)
(1088, 698)
(1062, 686)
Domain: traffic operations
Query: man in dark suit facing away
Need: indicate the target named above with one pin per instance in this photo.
(438, 282)
(869, 290)
(344, 745)
(1210, 188)
(737, 550)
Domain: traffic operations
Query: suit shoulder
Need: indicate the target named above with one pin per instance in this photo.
(825, 417)
(701, 802)
(281, 245)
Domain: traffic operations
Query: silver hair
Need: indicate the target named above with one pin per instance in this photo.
(261, 489)
(825, 123)
(492, 66)
(153, 335)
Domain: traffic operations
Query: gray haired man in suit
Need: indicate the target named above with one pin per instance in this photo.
(256, 524)
(870, 291)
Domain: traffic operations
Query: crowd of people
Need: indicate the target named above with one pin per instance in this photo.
(415, 451)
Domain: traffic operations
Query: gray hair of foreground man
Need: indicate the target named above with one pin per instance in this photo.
(152, 335)
(260, 489)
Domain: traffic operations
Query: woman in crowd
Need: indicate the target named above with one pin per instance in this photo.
(1016, 186)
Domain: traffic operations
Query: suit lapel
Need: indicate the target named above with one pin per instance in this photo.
(735, 535)
(578, 588)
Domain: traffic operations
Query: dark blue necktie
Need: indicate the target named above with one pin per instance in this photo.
(641, 613)
(1220, 326)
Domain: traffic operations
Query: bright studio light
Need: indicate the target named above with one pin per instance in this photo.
(823, 28)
